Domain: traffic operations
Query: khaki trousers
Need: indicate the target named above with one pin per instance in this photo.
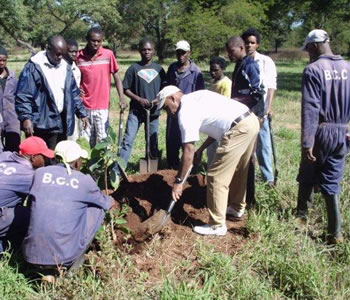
(227, 176)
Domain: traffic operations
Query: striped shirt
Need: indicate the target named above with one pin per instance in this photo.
(96, 77)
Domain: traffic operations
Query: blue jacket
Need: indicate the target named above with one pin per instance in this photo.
(35, 101)
(65, 214)
(190, 82)
(7, 104)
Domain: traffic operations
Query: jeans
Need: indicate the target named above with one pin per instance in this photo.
(264, 152)
(135, 119)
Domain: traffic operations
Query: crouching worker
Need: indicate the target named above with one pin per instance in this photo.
(16, 177)
(66, 210)
(235, 128)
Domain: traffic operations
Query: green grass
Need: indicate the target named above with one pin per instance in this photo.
(279, 261)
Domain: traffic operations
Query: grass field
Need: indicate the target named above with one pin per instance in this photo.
(280, 262)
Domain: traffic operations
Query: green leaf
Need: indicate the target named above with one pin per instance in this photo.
(114, 179)
(102, 145)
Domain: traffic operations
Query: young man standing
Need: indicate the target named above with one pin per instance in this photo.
(188, 78)
(325, 114)
(16, 178)
(96, 65)
(71, 57)
(142, 82)
(10, 126)
(245, 82)
(235, 128)
(47, 95)
(268, 78)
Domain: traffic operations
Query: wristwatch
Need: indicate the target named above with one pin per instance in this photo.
(178, 180)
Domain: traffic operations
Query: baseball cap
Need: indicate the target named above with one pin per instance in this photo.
(182, 45)
(35, 145)
(70, 151)
(164, 93)
(316, 36)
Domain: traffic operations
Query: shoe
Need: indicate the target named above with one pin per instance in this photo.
(211, 229)
(48, 279)
(234, 213)
(335, 240)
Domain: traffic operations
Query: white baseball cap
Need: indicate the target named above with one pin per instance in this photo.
(166, 92)
(316, 36)
(70, 151)
(182, 45)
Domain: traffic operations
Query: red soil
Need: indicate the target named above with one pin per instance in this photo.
(145, 194)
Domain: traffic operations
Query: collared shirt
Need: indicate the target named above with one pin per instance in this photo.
(55, 76)
(96, 77)
(76, 74)
(268, 73)
(207, 112)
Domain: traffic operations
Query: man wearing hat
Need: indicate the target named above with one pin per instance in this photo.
(16, 177)
(66, 210)
(235, 128)
(325, 114)
(188, 78)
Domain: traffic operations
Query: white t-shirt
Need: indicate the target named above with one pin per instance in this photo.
(76, 73)
(207, 112)
(55, 76)
(268, 73)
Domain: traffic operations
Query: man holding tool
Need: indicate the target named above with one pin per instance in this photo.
(235, 128)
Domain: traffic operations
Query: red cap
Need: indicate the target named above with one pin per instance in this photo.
(35, 145)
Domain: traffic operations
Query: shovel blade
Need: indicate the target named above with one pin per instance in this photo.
(155, 223)
(148, 168)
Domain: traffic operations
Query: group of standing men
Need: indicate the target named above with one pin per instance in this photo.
(53, 92)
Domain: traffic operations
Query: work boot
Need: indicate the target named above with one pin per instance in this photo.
(305, 195)
(334, 219)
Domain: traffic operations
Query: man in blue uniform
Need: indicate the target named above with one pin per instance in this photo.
(16, 177)
(66, 210)
(325, 115)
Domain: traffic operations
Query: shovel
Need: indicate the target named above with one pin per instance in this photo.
(273, 150)
(160, 219)
(120, 130)
(148, 165)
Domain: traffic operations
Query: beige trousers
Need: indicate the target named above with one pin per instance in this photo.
(227, 176)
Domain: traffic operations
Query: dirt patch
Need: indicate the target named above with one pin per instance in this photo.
(145, 195)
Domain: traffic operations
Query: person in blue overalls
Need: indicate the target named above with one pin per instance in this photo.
(325, 114)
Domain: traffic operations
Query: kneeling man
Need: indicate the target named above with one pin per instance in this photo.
(235, 128)
(66, 210)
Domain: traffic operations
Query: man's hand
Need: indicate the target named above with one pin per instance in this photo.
(177, 191)
(144, 102)
(82, 93)
(307, 154)
(84, 122)
(122, 104)
(28, 128)
(197, 157)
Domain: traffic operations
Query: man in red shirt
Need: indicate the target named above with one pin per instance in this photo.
(96, 65)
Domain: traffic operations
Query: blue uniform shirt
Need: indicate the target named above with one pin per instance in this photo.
(66, 211)
(325, 95)
(16, 177)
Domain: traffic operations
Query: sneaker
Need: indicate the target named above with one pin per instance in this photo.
(335, 240)
(211, 229)
(234, 213)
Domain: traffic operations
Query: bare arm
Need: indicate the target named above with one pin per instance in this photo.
(120, 90)
(186, 162)
(199, 152)
(269, 98)
(144, 102)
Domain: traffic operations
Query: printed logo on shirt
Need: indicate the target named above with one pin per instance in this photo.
(7, 170)
(72, 182)
(147, 74)
(335, 75)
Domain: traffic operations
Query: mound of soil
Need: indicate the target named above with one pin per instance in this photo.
(146, 194)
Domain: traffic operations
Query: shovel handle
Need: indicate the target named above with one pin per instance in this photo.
(172, 203)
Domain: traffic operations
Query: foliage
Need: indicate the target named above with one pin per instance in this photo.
(102, 158)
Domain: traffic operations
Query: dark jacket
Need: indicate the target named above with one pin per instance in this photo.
(190, 82)
(7, 104)
(35, 101)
